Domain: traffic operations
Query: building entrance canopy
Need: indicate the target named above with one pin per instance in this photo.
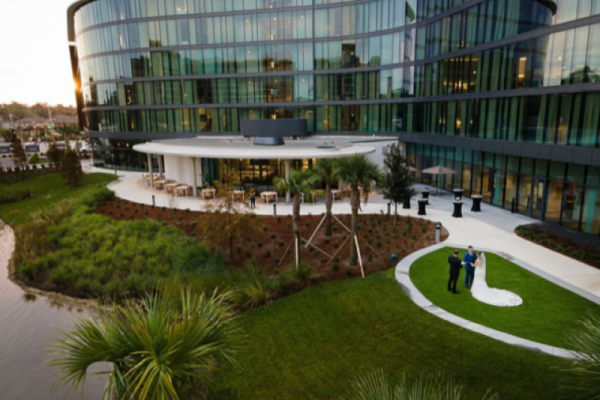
(241, 148)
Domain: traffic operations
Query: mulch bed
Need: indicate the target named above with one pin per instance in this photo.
(571, 244)
(271, 236)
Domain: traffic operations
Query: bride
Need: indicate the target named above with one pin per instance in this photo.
(485, 294)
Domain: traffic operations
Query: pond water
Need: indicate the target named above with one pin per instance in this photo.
(28, 325)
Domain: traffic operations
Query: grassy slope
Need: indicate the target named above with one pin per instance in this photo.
(311, 344)
(547, 312)
(48, 190)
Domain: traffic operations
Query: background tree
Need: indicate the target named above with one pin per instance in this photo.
(54, 155)
(396, 182)
(357, 172)
(327, 173)
(71, 168)
(20, 158)
(7, 134)
(238, 224)
(69, 132)
(300, 182)
(154, 347)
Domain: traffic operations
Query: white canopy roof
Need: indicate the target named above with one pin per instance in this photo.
(238, 147)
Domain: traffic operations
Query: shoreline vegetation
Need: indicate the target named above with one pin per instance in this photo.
(105, 249)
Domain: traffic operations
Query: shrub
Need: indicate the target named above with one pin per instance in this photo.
(34, 159)
(256, 291)
(302, 274)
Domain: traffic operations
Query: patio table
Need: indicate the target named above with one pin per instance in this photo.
(238, 193)
(170, 187)
(210, 191)
(184, 189)
(265, 196)
(335, 192)
(160, 184)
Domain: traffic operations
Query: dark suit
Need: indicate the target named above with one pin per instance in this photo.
(455, 267)
(469, 270)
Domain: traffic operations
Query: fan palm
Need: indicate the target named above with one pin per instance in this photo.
(583, 378)
(327, 173)
(300, 182)
(376, 386)
(357, 172)
(153, 347)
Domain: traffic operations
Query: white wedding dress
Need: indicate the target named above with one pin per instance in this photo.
(485, 294)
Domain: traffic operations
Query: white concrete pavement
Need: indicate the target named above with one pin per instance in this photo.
(492, 229)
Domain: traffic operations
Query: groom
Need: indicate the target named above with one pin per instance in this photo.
(455, 267)
(469, 259)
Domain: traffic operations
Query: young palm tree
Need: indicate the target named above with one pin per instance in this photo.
(153, 347)
(356, 171)
(300, 182)
(582, 380)
(327, 173)
(376, 386)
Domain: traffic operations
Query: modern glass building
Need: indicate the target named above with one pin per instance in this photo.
(506, 92)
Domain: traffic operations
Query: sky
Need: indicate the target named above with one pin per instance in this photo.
(34, 54)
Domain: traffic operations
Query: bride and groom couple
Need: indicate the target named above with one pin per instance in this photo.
(475, 269)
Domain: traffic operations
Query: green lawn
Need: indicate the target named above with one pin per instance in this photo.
(311, 344)
(48, 190)
(547, 312)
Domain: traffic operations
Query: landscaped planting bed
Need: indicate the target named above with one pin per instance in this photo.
(271, 236)
(552, 241)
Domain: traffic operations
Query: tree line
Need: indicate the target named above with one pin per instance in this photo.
(39, 110)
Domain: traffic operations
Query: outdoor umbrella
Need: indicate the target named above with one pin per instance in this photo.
(439, 170)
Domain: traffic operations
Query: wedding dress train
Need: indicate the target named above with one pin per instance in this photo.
(485, 294)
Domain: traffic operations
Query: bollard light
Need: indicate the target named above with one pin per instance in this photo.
(153, 201)
(274, 209)
(389, 209)
(438, 232)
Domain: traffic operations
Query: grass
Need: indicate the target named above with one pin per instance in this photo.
(312, 344)
(48, 190)
(547, 312)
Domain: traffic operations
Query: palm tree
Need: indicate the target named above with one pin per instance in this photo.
(357, 172)
(376, 386)
(153, 347)
(300, 182)
(327, 173)
(583, 377)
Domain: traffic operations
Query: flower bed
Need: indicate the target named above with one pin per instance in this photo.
(272, 235)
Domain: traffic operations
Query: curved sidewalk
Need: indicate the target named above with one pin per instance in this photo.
(403, 278)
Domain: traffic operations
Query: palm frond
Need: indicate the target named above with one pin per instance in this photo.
(153, 345)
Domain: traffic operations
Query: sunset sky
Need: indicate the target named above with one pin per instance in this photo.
(34, 56)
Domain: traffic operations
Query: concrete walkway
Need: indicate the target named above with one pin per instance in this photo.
(491, 229)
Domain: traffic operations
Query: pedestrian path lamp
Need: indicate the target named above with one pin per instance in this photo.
(438, 232)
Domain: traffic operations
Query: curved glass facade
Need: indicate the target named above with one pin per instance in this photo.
(509, 72)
